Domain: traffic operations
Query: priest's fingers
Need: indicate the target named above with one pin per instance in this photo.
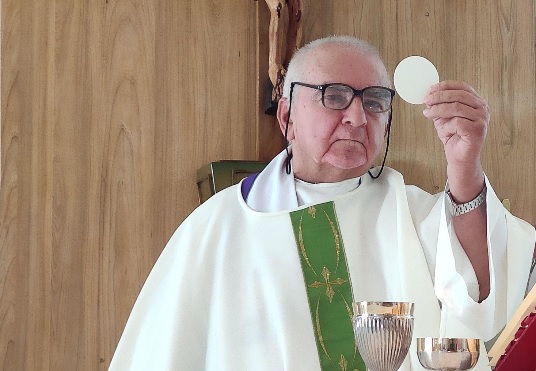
(461, 118)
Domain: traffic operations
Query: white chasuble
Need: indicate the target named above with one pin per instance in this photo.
(228, 293)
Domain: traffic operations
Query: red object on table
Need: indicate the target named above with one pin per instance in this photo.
(520, 354)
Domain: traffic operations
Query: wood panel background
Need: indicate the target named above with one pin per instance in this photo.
(109, 107)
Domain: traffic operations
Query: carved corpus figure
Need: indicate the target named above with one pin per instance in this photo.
(285, 37)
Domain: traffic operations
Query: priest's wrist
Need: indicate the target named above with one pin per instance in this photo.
(465, 181)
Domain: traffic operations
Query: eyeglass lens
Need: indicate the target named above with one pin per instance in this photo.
(374, 99)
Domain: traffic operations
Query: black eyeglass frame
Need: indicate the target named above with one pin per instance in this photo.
(357, 92)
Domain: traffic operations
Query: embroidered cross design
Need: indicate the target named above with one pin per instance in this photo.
(328, 284)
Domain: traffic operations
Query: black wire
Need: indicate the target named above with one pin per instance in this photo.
(289, 155)
(386, 147)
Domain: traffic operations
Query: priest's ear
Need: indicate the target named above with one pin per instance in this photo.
(283, 118)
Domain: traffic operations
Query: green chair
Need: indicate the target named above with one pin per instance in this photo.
(215, 176)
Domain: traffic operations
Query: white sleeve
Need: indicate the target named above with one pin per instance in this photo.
(510, 245)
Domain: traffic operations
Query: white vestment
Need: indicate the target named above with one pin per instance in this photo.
(228, 293)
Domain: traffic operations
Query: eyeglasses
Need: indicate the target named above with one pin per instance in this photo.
(375, 99)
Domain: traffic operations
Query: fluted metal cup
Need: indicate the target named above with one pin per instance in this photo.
(383, 332)
(448, 354)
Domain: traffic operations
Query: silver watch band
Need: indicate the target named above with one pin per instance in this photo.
(459, 209)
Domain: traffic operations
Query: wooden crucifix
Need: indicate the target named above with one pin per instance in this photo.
(285, 37)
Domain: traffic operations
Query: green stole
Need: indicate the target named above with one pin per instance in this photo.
(328, 286)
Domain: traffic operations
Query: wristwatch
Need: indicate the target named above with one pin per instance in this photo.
(459, 209)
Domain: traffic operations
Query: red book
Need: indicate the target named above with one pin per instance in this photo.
(515, 349)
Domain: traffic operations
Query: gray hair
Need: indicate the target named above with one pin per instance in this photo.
(298, 64)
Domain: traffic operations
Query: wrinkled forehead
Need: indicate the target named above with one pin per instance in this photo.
(339, 63)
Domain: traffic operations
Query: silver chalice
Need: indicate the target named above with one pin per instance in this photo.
(448, 354)
(383, 332)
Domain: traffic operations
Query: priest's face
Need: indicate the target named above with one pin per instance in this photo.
(330, 145)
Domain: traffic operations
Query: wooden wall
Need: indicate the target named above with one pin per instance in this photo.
(109, 107)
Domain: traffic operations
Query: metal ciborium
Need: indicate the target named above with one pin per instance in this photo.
(448, 354)
(383, 332)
